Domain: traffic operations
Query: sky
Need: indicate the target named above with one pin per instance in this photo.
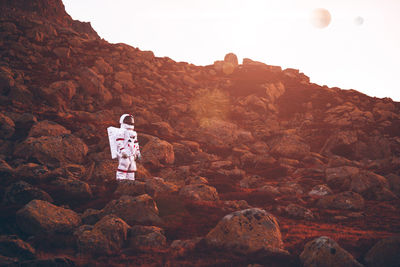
(359, 49)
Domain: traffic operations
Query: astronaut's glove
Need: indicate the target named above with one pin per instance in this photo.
(124, 155)
(138, 155)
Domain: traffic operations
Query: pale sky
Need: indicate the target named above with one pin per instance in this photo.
(345, 54)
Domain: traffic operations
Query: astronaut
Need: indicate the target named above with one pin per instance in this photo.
(124, 146)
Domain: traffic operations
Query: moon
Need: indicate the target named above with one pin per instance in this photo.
(320, 18)
(359, 21)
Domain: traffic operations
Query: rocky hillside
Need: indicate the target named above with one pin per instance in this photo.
(243, 164)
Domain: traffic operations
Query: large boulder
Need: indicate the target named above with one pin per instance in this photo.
(217, 134)
(231, 58)
(247, 231)
(346, 200)
(53, 150)
(102, 66)
(157, 186)
(92, 84)
(12, 246)
(319, 191)
(324, 252)
(153, 186)
(59, 93)
(47, 128)
(125, 79)
(21, 193)
(33, 173)
(385, 253)
(300, 212)
(340, 176)
(71, 190)
(199, 192)
(180, 248)
(394, 182)
(7, 126)
(366, 182)
(289, 146)
(146, 238)
(158, 152)
(254, 181)
(41, 217)
(133, 210)
(107, 236)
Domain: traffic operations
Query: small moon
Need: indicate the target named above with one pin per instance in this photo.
(320, 18)
(359, 21)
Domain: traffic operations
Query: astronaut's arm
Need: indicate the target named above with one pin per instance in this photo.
(120, 148)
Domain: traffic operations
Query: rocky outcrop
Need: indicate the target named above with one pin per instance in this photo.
(247, 231)
(289, 146)
(319, 191)
(158, 152)
(106, 237)
(13, 247)
(146, 238)
(324, 251)
(40, 217)
(297, 211)
(140, 209)
(384, 253)
(47, 128)
(199, 192)
(21, 193)
(347, 200)
(53, 150)
(71, 189)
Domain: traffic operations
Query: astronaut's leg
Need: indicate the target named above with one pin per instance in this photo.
(131, 170)
(122, 168)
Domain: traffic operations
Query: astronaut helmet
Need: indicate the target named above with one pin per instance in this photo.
(127, 121)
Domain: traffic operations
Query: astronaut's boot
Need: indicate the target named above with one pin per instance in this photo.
(121, 175)
(130, 175)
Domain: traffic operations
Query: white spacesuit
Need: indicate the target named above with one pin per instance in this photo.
(124, 146)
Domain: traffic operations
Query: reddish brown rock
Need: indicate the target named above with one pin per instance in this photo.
(158, 152)
(199, 192)
(254, 181)
(247, 231)
(146, 238)
(106, 237)
(72, 189)
(340, 176)
(385, 253)
(47, 128)
(180, 248)
(52, 150)
(290, 146)
(21, 193)
(367, 181)
(33, 173)
(7, 126)
(319, 191)
(59, 93)
(394, 182)
(133, 210)
(102, 66)
(324, 251)
(297, 211)
(41, 217)
(12, 246)
(347, 200)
